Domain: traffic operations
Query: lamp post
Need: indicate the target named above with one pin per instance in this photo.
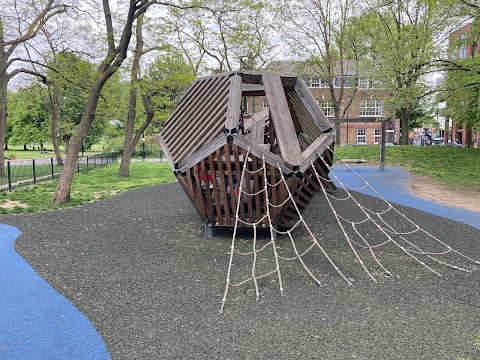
(143, 147)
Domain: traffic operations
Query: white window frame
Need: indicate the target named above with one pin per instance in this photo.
(377, 136)
(363, 83)
(317, 82)
(362, 136)
(369, 108)
(327, 107)
(265, 104)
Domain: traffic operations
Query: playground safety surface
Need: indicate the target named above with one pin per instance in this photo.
(137, 266)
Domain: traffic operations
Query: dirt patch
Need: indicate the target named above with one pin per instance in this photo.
(10, 204)
(460, 197)
(98, 195)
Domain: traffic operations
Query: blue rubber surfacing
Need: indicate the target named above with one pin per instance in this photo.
(36, 321)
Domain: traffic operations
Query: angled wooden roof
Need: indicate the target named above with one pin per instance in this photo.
(211, 107)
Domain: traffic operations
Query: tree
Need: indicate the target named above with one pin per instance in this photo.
(461, 92)
(230, 34)
(160, 89)
(116, 53)
(18, 25)
(28, 117)
(401, 41)
(320, 32)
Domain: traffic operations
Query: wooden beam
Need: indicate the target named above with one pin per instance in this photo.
(282, 119)
(258, 151)
(234, 105)
(318, 146)
(202, 153)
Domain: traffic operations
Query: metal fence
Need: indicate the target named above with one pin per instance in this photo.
(21, 173)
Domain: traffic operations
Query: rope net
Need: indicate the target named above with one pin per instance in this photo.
(368, 227)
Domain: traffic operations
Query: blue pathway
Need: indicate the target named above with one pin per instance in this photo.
(394, 185)
(36, 322)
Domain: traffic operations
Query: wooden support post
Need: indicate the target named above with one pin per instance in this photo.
(282, 120)
(208, 230)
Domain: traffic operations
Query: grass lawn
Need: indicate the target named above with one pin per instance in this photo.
(447, 165)
(87, 186)
(450, 166)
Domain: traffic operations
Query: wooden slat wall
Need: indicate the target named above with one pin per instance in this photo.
(200, 119)
(309, 126)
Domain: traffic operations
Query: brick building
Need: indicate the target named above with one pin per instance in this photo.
(463, 46)
(359, 123)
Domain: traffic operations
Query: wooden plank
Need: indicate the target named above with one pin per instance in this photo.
(257, 187)
(257, 128)
(197, 94)
(252, 89)
(182, 181)
(234, 105)
(198, 191)
(202, 152)
(208, 125)
(233, 198)
(282, 119)
(307, 123)
(248, 189)
(166, 152)
(208, 194)
(238, 172)
(216, 207)
(273, 190)
(312, 106)
(202, 119)
(320, 145)
(223, 185)
(258, 151)
(292, 184)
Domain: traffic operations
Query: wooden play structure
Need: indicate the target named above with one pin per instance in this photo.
(210, 138)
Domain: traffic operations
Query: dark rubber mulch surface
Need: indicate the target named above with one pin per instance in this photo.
(138, 267)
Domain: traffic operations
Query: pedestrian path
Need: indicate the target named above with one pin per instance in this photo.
(394, 185)
(36, 321)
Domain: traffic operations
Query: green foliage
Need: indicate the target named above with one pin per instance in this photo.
(28, 118)
(89, 186)
(73, 78)
(462, 93)
(166, 80)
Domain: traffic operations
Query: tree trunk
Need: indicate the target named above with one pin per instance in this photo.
(62, 193)
(468, 134)
(130, 140)
(66, 143)
(404, 124)
(55, 115)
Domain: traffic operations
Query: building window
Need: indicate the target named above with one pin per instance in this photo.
(361, 136)
(363, 83)
(316, 82)
(371, 108)
(462, 53)
(265, 103)
(377, 136)
(327, 107)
